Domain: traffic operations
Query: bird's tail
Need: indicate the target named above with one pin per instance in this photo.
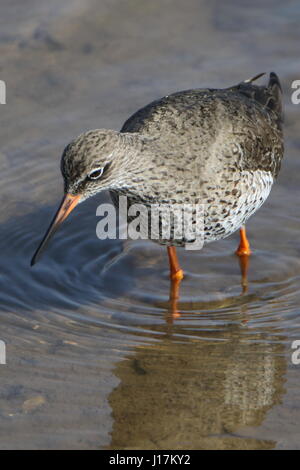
(270, 96)
(275, 100)
(256, 77)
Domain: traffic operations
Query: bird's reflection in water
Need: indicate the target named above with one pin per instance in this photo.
(196, 394)
(244, 261)
(174, 296)
(198, 391)
(198, 379)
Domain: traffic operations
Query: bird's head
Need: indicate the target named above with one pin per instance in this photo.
(95, 161)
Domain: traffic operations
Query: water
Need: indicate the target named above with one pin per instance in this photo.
(95, 358)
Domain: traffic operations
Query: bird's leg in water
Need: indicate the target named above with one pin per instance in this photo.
(174, 297)
(244, 265)
(176, 272)
(244, 252)
(176, 275)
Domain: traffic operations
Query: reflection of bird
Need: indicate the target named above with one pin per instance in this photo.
(198, 394)
(218, 148)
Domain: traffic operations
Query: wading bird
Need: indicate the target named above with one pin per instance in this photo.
(221, 148)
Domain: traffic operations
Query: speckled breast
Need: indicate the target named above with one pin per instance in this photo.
(209, 219)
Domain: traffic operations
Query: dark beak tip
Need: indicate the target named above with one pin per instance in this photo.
(68, 203)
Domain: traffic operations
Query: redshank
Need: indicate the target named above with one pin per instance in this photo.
(218, 147)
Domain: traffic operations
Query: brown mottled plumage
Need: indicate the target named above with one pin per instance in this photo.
(221, 148)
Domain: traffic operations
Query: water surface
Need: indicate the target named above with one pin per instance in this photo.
(95, 359)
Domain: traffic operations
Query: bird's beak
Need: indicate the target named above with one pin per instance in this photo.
(67, 205)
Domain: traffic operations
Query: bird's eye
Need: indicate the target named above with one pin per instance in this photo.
(95, 174)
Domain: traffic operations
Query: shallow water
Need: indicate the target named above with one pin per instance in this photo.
(95, 358)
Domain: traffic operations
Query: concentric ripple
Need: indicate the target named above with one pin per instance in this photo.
(118, 285)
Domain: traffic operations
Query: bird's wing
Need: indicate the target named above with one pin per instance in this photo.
(239, 126)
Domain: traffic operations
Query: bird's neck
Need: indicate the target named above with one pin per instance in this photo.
(135, 156)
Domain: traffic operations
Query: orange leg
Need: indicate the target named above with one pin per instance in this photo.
(176, 272)
(174, 297)
(244, 252)
(244, 265)
(244, 246)
(176, 275)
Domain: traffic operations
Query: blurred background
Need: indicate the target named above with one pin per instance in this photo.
(94, 358)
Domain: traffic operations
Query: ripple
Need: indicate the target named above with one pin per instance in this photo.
(115, 286)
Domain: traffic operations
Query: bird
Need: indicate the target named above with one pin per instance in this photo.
(219, 148)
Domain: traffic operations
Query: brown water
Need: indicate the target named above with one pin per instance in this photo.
(93, 358)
